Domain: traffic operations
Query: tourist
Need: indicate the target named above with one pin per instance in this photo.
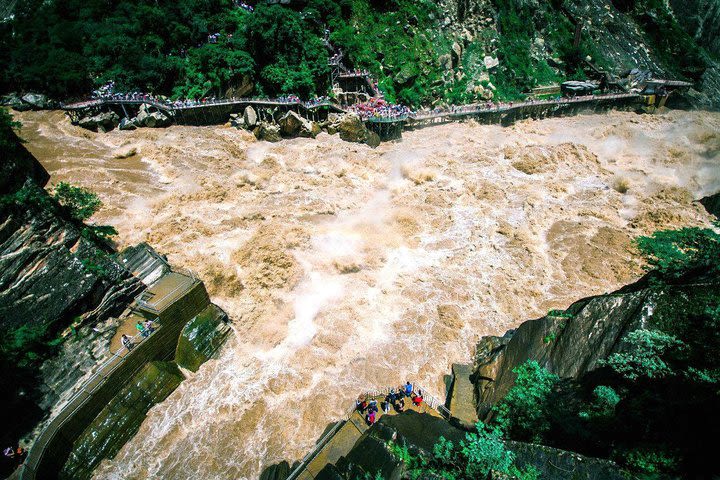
(417, 399)
(400, 405)
(9, 452)
(149, 326)
(20, 455)
(370, 418)
(140, 328)
(372, 406)
(361, 404)
(408, 389)
(127, 343)
(386, 405)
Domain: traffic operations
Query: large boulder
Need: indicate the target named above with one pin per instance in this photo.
(250, 117)
(157, 120)
(127, 124)
(352, 129)
(267, 132)
(14, 101)
(38, 101)
(149, 116)
(310, 129)
(290, 124)
(102, 122)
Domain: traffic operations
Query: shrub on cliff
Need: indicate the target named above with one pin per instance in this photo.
(483, 451)
(676, 253)
(523, 411)
(79, 202)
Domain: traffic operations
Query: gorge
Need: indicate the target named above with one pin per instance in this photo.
(345, 268)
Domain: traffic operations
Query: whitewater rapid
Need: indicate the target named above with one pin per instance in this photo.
(345, 268)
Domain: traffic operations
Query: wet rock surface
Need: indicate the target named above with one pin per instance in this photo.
(121, 418)
(202, 337)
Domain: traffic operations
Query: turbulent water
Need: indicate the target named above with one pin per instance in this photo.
(345, 268)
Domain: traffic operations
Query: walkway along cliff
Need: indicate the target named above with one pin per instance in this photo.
(270, 111)
(175, 301)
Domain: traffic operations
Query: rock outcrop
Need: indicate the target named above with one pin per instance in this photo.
(370, 455)
(151, 117)
(569, 346)
(51, 277)
(268, 132)
(103, 122)
(353, 129)
(202, 337)
(121, 418)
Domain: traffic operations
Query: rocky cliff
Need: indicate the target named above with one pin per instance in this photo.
(58, 291)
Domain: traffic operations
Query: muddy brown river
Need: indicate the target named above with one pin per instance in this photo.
(345, 268)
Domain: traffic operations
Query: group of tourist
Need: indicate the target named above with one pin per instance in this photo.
(144, 329)
(357, 73)
(243, 5)
(394, 400)
(14, 456)
(380, 109)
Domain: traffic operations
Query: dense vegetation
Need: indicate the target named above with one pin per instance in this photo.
(66, 48)
(648, 407)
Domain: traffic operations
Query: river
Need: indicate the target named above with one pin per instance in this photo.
(345, 268)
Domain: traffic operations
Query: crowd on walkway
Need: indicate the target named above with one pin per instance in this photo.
(107, 92)
(395, 400)
(354, 73)
(378, 108)
(243, 5)
(144, 330)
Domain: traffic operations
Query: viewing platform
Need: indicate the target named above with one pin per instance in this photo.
(343, 436)
(170, 302)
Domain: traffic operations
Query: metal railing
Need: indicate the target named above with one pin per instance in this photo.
(428, 399)
(503, 107)
(150, 303)
(173, 106)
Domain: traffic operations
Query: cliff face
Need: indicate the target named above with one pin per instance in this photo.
(51, 278)
(568, 347)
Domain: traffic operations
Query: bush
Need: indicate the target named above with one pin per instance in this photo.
(482, 451)
(523, 412)
(79, 202)
(603, 405)
(644, 359)
(675, 253)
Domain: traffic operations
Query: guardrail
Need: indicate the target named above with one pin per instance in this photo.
(150, 306)
(429, 400)
(503, 107)
(172, 106)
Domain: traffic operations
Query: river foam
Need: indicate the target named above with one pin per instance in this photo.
(345, 268)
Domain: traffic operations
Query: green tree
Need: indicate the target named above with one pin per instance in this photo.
(522, 413)
(675, 253)
(485, 451)
(644, 359)
(79, 202)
